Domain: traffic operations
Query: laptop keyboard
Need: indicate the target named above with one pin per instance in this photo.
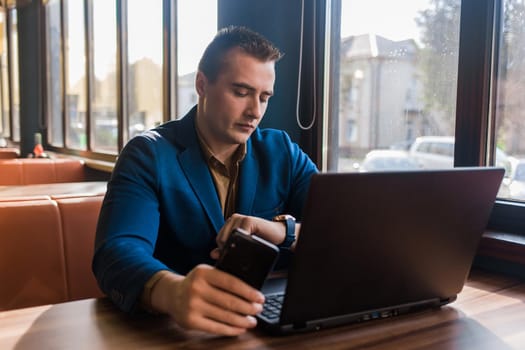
(272, 306)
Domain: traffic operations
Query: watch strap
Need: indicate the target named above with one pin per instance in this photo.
(289, 222)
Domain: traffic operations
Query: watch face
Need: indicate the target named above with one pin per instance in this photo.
(283, 217)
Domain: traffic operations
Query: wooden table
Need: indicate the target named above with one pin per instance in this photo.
(489, 314)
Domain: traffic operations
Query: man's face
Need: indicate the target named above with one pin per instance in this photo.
(231, 107)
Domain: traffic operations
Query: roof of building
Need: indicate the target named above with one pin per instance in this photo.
(372, 45)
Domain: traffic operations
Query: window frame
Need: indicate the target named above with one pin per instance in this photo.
(477, 83)
(503, 245)
(168, 79)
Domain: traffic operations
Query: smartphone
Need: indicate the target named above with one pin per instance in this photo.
(248, 257)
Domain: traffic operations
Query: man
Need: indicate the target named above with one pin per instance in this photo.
(178, 190)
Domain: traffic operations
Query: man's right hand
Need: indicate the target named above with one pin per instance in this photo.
(209, 300)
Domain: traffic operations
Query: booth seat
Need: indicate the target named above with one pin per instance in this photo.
(46, 246)
(79, 216)
(25, 171)
(9, 153)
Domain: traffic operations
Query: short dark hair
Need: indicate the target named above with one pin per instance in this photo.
(252, 43)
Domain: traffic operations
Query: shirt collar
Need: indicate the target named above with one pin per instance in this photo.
(236, 157)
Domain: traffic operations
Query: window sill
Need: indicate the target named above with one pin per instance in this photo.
(505, 246)
(100, 165)
(94, 164)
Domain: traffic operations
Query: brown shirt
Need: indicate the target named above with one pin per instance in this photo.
(225, 176)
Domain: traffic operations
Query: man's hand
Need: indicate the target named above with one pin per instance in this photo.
(271, 231)
(209, 300)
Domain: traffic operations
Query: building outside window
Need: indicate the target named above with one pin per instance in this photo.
(145, 66)
(398, 75)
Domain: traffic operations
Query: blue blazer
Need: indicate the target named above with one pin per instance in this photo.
(161, 209)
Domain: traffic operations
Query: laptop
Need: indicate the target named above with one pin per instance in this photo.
(376, 245)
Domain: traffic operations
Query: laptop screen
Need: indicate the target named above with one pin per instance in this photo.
(373, 240)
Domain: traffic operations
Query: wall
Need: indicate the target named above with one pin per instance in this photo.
(280, 22)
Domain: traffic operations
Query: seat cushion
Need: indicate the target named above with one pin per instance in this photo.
(32, 264)
(79, 216)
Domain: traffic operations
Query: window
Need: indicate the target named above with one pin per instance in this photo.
(76, 84)
(144, 65)
(485, 133)
(4, 79)
(191, 42)
(108, 64)
(54, 71)
(351, 132)
(104, 87)
(14, 77)
(510, 104)
(398, 76)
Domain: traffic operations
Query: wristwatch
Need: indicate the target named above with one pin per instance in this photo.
(289, 221)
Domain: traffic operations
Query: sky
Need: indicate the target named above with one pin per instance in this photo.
(196, 29)
(393, 19)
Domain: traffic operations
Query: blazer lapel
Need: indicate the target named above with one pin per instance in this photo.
(198, 175)
(196, 169)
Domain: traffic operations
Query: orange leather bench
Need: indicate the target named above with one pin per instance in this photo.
(25, 171)
(9, 153)
(79, 216)
(46, 246)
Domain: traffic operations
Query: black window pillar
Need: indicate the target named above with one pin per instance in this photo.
(30, 73)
